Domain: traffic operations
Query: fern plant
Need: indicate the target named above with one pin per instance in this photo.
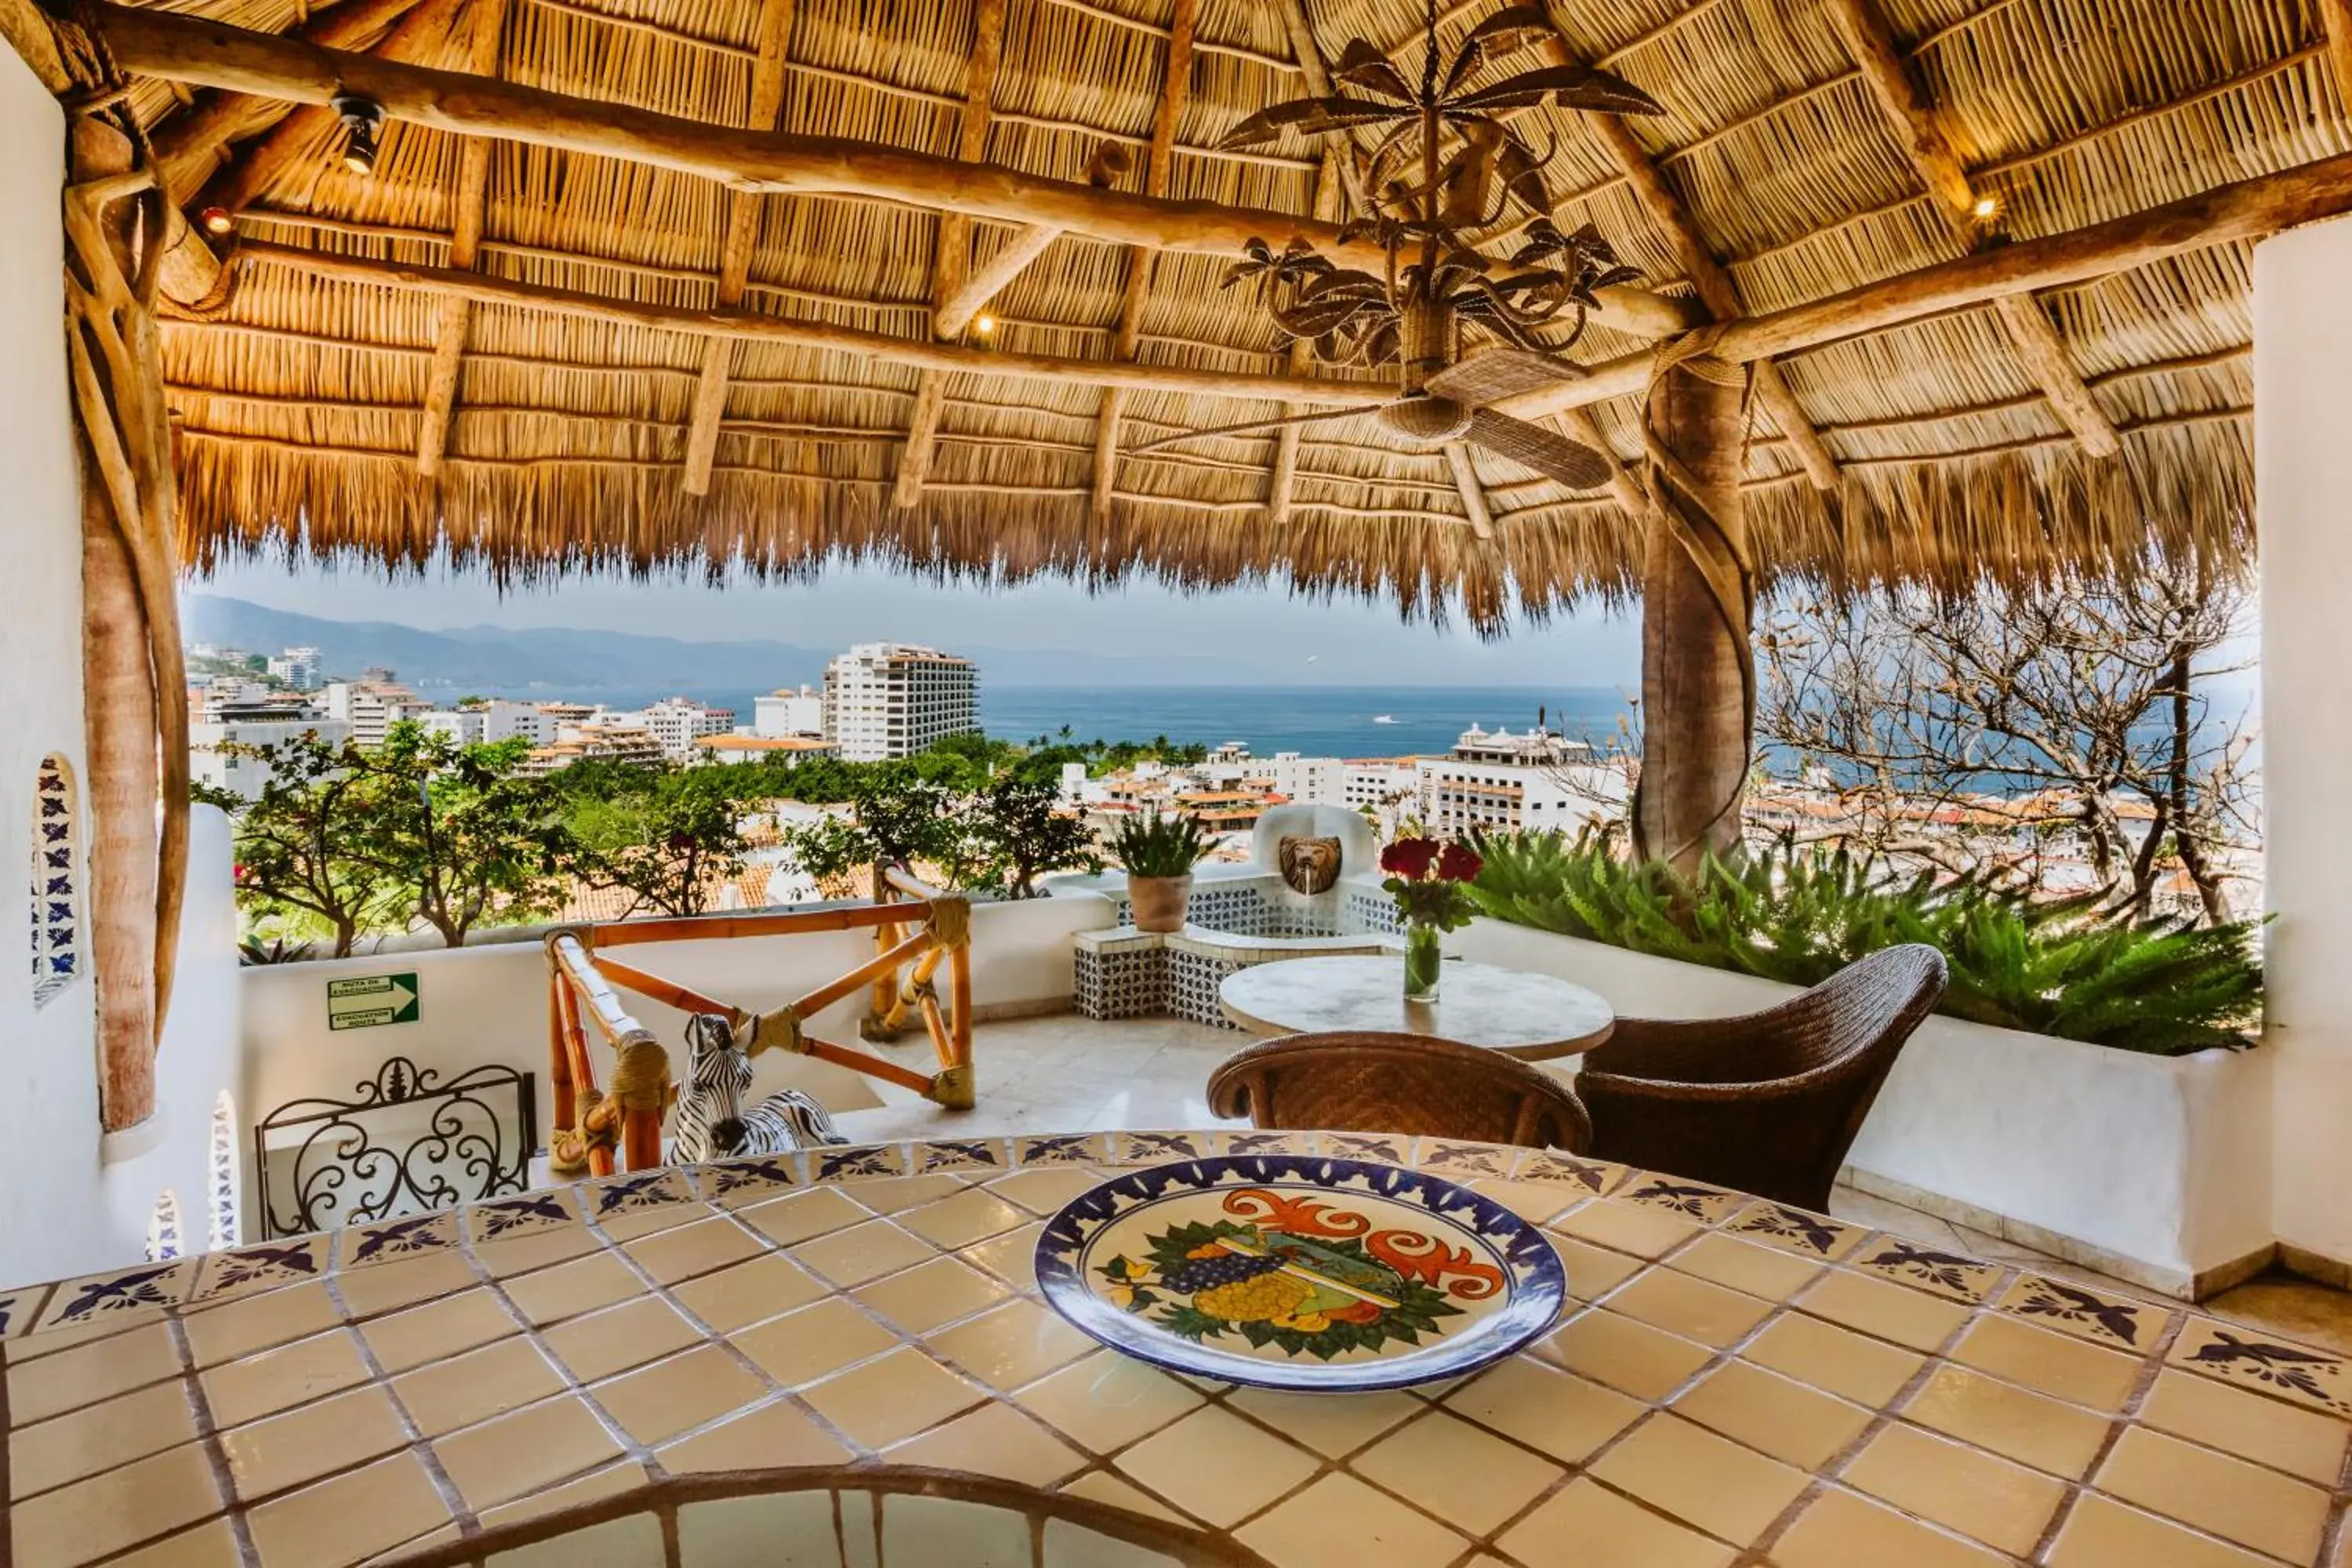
(1799, 915)
(1157, 845)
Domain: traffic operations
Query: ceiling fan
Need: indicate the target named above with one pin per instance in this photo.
(1473, 172)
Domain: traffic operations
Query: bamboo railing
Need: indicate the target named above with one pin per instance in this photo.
(595, 1126)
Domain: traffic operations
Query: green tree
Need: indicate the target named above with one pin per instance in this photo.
(468, 838)
(671, 841)
(1024, 834)
(297, 843)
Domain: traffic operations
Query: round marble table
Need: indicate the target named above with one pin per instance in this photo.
(1532, 1016)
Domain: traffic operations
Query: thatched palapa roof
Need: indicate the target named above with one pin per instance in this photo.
(303, 393)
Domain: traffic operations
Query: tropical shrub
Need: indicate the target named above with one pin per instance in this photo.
(1799, 914)
(1153, 845)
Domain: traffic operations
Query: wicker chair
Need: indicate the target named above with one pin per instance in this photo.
(1374, 1083)
(1771, 1102)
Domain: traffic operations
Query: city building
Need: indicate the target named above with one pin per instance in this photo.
(675, 723)
(582, 742)
(789, 710)
(792, 749)
(218, 742)
(1379, 781)
(1501, 782)
(370, 707)
(894, 700)
(505, 720)
(297, 667)
(467, 726)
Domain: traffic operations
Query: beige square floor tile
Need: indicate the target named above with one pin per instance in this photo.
(749, 1292)
(2031, 1428)
(1646, 1361)
(212, 1544)
(972, 1215)
(1586, 1525)
(285, 1451)
(1535, 1202)
(389, 1286)
(1839, 1530)
(524, 1450)
(777, 1435)
(276, 1380)
(2225, 1497)
(889, 1194)
(1455, 1471)
(1563, 1416)
(108, 1512)
(892, 1397)
(1217, 1466)
(619, 1338)
(438, 1329)
(1629, 1227)
(1340, 1522)
(1888, 1310)
(596, 1484)
(67, 1380)
(1592, 1271)
(684, 1251)
(1793, 1423)
(2005, 1506)
(571, 1288)
(1108, 1401)
(1044, 1190)
(2050, 1362)
(476, 1386)
(1693, 1308)
(1331, 1424)
(2284, 1437)
(861, 1253)
(98, 1437)
(2103, 1533)
(256, 1323)
(1010, 1345)
(1838, 1360)
(788, 1221)
(930, 1294)
(632, 1538)
(1102, 1487)
(814, 1342)
(1762, 1271)
(1710, 1481)
(993, 1440)
(350, 1518)
(657, 1403)
(536, 1250)
(1012, 1258)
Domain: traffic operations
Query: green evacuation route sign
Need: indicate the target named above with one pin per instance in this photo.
(362, 1003)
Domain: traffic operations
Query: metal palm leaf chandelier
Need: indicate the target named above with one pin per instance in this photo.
(1446, 166)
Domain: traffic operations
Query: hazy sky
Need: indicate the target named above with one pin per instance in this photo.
(1349, 642)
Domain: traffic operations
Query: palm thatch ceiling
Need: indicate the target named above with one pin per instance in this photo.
(1958, 446)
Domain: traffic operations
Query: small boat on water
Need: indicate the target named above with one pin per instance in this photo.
(1383, 719)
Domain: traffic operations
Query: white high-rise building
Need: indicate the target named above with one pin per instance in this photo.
(217, 742)
(466, 726)
(677, 722)
(785, 714)
(1546, 783)
(894, 700)
(503, 721)
(297, 667)
(370, 707)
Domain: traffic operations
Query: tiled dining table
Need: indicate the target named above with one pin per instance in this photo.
(840, 1358)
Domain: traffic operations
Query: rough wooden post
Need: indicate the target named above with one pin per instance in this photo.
(119, 730)
(1697, 668)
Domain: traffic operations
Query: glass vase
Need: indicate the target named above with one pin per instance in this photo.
(1423, 957)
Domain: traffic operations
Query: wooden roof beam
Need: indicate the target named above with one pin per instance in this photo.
(956, 307)
(175, 46)
(951, 261)
(735, 250)
(468, 210)
(1473, 496)
(2336, 16)
(1283, 478)
(1175, 86)
(1913, 119)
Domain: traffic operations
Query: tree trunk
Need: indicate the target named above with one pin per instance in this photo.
(1697, 668)
(118, 727)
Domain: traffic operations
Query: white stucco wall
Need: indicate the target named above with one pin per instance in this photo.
(2302, 384)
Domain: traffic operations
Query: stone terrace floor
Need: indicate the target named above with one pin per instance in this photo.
(1064, 1073)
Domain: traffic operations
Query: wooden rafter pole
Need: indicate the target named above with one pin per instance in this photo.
(470, 208)
(1473, 494)
(956, 307)
(1911, 118)
(2335, 15)
(951, 261)
(174, 46)
(1284, 477)
(1623, 487)
(1175, 86)
(768, 71)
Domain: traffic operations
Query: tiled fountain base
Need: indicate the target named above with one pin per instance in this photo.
(1128, 973)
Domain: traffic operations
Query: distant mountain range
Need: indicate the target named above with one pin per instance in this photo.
(550, 661)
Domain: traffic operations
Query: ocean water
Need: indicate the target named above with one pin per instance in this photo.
(1315, 720)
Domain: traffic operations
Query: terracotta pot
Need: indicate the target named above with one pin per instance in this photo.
(1158, 903)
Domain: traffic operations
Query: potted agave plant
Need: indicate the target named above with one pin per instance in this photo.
(1430, 882)
(1158, 853)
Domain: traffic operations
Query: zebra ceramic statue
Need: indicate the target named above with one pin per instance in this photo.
(711, 1121)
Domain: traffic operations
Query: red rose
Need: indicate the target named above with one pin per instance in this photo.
(1408, 858)
(1459, 863)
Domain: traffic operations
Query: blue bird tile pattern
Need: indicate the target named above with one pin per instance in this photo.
(56, 907)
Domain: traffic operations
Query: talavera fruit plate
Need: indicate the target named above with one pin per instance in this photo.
(1292, 1271)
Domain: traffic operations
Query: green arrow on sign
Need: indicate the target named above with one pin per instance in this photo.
(368, 1001)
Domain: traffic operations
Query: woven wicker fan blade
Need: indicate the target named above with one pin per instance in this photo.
(1251, 427)
(1493, 375)
(1578, 467)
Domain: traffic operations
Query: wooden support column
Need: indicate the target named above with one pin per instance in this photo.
(951, 261)
(1911, 118)
(468, 209)
(1697, 668)
(768, 72)
(2335, 15)
(120, 774)
(1176, 86)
